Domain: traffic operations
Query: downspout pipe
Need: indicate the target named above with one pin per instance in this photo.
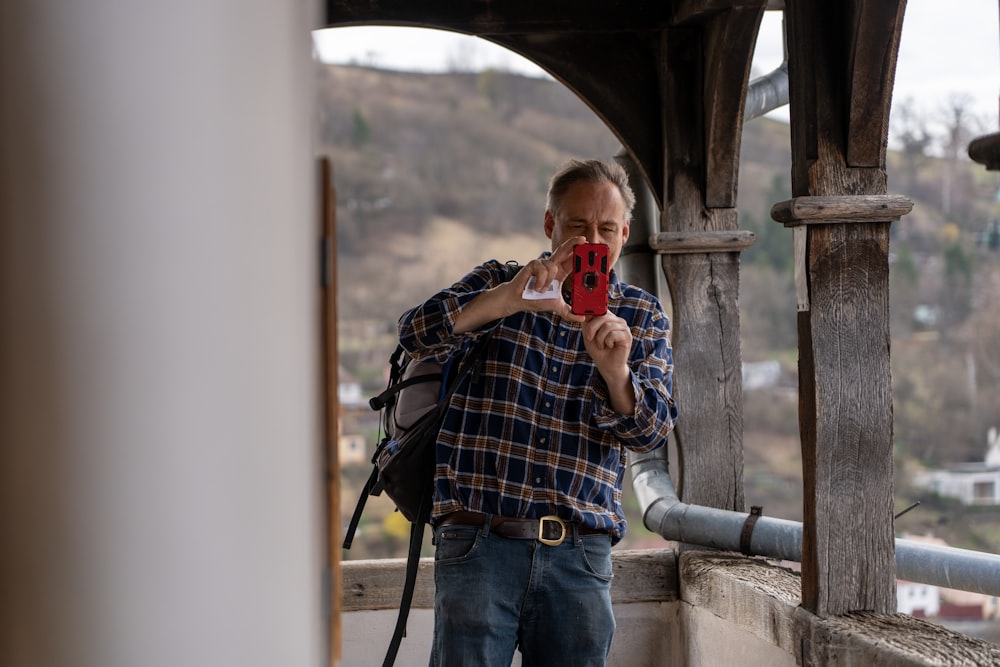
(664, 514)
(769, 92)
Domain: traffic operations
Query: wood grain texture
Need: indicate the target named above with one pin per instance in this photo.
(331, 402)
(845, 405)
(729, 42)
(667, 243)
(852, 459)
(873, 44)
(841, 209)
(707, 378)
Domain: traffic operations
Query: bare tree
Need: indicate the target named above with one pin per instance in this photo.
(914, 138)
(958, 121)
(463, 56)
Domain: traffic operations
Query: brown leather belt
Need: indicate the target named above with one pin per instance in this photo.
(550, 530)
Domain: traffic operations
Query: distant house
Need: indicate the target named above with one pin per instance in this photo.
(349, 390)
(968, 605)
(919, 600)
(760, 374)
(972, 483)
(351, 449)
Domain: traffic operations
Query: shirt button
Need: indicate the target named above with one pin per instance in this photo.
(538, 480)
(555, 369)
(541, 441)
(548, 404)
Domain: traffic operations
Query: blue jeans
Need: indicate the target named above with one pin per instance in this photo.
(494, 594)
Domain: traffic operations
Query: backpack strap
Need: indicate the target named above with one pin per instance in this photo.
(352, 527)
(380, 401)
(410, 583)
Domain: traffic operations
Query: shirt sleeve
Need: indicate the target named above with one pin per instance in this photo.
(428, 330)
(652, 367)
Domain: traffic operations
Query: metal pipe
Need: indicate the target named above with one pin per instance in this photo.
(638, 264)
(768, 92)
(664, 514)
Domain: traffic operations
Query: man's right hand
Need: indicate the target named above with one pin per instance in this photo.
(544, 270)
(507, 299)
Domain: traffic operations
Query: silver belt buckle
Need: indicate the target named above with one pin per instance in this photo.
(541, 530)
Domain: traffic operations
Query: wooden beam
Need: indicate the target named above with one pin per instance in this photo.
(874, 42)
(707, 357)
(729, 42)
(843, 208)
(331, 400)
(649, 575)
(502, 17)
(707, 377)
(845, 397)
(986, 151)
(505, 17)
(691, 12)
(669, 243)
(845, 418)
(683, 119)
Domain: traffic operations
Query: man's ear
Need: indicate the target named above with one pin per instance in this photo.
(625, 231)
(550, 224)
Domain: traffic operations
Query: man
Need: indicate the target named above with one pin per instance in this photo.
(531, 454)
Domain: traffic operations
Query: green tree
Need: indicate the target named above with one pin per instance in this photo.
(773, 246)
(361, 130)
(904, 295)
(914, 137)
(957, 301)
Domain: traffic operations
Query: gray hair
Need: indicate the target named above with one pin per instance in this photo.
(597, 171)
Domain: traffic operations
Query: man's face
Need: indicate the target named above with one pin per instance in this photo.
(593, 210)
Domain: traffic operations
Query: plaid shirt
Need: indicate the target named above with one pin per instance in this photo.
(535, 434)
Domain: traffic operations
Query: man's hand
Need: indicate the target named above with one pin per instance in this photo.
(608, 339)
(507, 299)
(554, 268)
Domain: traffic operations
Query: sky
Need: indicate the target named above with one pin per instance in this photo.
(948, 48)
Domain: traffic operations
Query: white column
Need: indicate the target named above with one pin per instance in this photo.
(160, 499)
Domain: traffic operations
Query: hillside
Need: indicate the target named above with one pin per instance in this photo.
(436, 172)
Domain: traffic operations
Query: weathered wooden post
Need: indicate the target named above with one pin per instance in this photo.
(841, 64)
(705, 86)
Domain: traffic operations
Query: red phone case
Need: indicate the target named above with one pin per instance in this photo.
(590, 279)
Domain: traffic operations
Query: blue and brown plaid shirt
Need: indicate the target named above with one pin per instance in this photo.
(535, 434)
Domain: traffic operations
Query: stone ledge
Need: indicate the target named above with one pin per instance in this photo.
(763, 599)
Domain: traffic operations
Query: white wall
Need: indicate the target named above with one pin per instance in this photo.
(159, 473)
(961, 485)
(913, 597)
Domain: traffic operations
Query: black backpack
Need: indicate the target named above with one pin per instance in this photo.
(413, 405)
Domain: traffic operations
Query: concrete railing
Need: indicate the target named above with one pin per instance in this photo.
(698, 609)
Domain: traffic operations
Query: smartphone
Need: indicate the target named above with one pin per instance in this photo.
(590, 279)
